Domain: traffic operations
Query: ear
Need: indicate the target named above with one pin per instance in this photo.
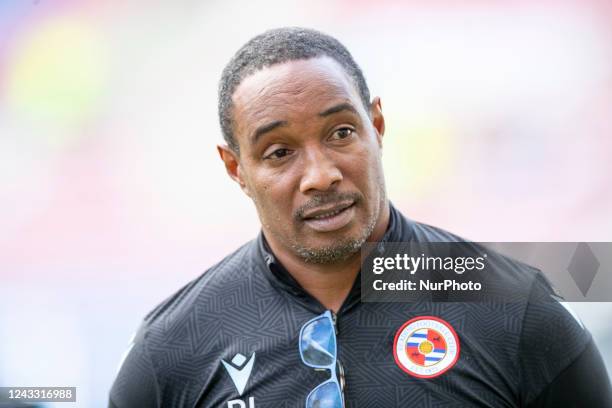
(378, 120)
(232, 166)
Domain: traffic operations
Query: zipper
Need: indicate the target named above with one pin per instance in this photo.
(334, 317)
(341, 376)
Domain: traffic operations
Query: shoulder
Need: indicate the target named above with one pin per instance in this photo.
(428, 233)
(509, 275)
(180, 330)
(204, 292)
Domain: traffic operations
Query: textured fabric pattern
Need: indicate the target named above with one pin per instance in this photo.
(248, 303)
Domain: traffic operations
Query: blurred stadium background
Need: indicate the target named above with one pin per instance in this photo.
(499, 128)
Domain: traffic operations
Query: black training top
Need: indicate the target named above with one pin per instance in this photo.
(230, 339)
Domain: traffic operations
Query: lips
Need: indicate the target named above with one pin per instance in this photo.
(327, 211)
(331, 217)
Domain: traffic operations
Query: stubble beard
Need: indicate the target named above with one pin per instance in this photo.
(338, 252)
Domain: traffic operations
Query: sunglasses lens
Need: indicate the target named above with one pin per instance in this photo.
(326, 395)
(319, 343)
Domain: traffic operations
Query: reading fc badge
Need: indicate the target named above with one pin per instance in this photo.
(426, 347)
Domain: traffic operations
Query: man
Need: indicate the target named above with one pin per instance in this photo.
(280, 322)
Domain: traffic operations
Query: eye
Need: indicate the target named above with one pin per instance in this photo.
(342, 133)
(278, 154)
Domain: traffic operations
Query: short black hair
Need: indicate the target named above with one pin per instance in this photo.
(274, 47)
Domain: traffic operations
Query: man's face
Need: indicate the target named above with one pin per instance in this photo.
(310, 158)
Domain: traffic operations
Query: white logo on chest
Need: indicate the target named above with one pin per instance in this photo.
(240, 370)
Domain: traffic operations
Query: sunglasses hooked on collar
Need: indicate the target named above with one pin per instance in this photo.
(318, 349)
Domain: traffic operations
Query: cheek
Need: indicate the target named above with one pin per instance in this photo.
(272, 192)
(362, 168)
(284, 180)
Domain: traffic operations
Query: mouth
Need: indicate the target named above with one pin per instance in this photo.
(331, 217)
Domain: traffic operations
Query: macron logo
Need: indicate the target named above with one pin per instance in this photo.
(240, 370)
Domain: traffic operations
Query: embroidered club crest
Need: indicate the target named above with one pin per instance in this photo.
(426, 347)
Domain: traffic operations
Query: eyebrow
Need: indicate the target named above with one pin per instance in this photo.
(339, 108)
(260, 131)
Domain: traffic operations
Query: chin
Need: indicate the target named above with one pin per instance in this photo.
(338, 248)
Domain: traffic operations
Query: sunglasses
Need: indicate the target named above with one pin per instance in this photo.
(318, 350)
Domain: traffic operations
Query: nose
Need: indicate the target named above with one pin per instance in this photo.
(320, 172)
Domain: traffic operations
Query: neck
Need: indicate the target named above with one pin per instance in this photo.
(331, 283)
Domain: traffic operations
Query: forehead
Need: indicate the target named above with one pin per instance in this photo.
(292, 90)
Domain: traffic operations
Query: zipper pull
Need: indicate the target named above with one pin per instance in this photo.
(334, 317)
